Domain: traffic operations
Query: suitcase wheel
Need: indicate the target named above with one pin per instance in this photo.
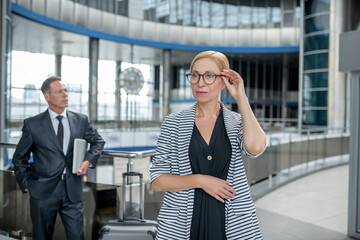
(103, 231)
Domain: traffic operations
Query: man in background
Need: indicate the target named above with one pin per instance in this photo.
(52, 186)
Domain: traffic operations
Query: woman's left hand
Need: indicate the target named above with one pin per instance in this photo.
(236, 89)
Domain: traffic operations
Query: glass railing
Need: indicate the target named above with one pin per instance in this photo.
(289, 155)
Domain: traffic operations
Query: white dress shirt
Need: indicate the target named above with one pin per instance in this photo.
(65, 122)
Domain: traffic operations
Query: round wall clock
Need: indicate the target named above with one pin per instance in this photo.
(131, 80)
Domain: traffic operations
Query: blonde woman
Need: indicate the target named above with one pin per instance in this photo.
(198, 160)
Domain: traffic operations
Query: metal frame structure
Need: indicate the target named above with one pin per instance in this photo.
(349, 61)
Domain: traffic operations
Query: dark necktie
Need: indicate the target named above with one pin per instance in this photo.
(60, 133)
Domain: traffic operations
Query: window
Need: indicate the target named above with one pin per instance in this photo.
(316, 80)
(232, 13)
(316, 61)
(315, 99)
(217, 15)
(316, 42)
(77, 82)
(315, 6)
(315, 117)
(29, 71)
(318, 23)
(203, 18)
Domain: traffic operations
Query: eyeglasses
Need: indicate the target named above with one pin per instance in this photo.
(208, 77)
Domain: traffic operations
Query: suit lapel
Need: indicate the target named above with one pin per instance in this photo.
(186, 125)
(49, 129)
(232, 127)
(72, 126)
(231, 120)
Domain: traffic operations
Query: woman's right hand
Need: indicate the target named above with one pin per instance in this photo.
(217, 188)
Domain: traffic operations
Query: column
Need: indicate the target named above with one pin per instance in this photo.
(5, 49)
(256, 88)
(58, 65)
(354, 158)
(164, 93)
(247, 85)
(156, 96)
(349, 61)
(279, 86)
(284, 90)
(5, 54)
(118, 93)
(272, 90)
(93, 77)
(264, 90)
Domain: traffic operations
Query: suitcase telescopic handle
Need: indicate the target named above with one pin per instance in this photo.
(132, 174)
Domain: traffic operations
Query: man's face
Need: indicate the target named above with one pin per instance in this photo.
(57, 97)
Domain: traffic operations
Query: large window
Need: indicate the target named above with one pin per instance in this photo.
(315, 6)
(316, 42)
(75, 75)
(317, 23)
(217, 15)
(315, 99)
(138, 107)
(316, 80)
(106, 90)
(232, 13)
(223, 14)
(203, 18)
(316, 62)
(29, 70)
(273, 13)
(316, 117)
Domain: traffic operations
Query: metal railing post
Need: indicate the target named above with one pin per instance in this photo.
(308, 150)
(325, 146)
(270, 161)
(290, 153)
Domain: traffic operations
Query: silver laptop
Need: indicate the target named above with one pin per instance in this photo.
(80, 148)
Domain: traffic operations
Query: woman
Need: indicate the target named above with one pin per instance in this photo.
(198, 159)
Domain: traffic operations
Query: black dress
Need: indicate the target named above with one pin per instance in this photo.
(208, 220)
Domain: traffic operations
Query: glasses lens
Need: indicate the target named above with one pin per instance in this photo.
(194, 77)
(209, 78)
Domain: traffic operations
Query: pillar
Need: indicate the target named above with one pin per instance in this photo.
(354, 159)
(93, 77)
(284, 85)
(118, 93)
(58, 65)
(5, 59)
(164, 93)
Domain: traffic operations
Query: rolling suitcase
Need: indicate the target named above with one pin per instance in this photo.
(129, 228)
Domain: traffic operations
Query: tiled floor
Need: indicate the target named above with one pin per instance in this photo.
(311, 208)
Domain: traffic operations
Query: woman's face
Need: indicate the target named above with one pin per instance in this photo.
(201, 91)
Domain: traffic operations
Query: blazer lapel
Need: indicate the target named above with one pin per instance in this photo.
(231, 120)
(72, 126)
(186, 126)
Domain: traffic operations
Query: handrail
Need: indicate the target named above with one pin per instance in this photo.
(147, 153)
(109, 153)
(310, 130)
(7, 145)
(128, 154)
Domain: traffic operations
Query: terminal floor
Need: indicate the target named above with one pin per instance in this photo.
(311, 208)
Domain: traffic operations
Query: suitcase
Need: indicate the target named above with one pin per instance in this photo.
(129, 228)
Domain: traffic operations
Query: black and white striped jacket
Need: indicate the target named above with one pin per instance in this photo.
(172, 157)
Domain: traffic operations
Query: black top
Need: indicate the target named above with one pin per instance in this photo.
(208, 220)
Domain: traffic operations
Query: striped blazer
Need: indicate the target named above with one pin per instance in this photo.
(172, 157)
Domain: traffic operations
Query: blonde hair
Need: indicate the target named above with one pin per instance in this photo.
(220, 59)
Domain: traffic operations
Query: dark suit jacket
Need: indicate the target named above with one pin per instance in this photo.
(39, 138)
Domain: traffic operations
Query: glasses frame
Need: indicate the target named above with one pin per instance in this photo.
(202, 75)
